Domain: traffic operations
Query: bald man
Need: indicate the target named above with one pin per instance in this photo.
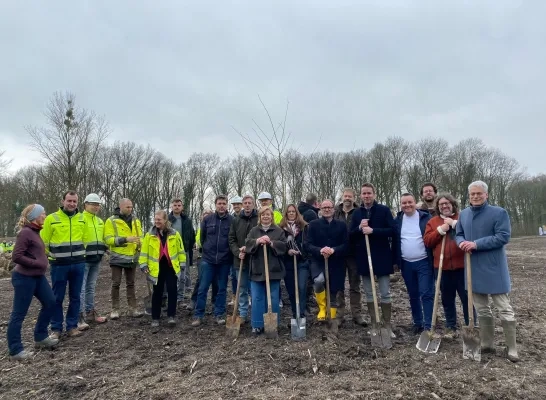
(122, 233)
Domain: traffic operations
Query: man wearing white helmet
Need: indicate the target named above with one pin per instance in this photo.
(237, 205)
(93, 240)
(266, 200)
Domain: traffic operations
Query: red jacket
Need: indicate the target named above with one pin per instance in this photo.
(453, 255)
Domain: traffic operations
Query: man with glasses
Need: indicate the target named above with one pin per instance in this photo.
(327, 239)
(93, 240)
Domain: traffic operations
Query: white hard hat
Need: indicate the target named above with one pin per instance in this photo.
(92, 198)
(265, 196)
(237, 200)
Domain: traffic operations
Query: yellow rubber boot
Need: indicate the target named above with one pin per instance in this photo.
(333, 311)
(321, 302)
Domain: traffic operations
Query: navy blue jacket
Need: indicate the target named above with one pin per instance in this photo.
(308, 212)
(215, 239)
(424, 217)
(332, 234)
(383, 225)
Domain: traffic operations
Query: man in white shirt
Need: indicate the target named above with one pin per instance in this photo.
(415, 261)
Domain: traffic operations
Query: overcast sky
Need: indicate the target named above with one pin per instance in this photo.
(180, 76)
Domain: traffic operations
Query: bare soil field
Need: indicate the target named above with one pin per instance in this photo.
(124, 360)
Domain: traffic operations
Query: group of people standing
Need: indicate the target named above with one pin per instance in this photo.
(305, 236)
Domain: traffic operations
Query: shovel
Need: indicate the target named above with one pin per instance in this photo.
(332, 322)
(471, 337)
(270, 318)
(381, 336)
(427, 342)
(297, 325)
(233, 323)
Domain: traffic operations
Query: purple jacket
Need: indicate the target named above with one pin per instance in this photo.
(29, 252)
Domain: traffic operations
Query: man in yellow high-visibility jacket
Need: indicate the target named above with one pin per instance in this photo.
(122, 233)
(62, 234)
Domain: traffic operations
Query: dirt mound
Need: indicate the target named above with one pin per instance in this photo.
(124, 360)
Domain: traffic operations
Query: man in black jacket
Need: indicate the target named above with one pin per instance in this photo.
(238, 232)
(183, 225)
(309, 208)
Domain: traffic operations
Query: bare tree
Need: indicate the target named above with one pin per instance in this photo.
(71, 142)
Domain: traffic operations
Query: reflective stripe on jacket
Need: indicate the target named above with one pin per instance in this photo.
(63, 238)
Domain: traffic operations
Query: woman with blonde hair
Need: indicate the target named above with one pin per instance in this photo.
(296, 231)
(162, 258)
(267, 234)
(28, 280)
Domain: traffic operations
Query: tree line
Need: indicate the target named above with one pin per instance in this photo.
(77, 156)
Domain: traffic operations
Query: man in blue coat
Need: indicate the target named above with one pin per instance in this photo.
(415, 261)
(483, 230)
(327, 238)
(216, 262)
(376, 221)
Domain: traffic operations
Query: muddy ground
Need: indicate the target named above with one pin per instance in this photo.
(124, 360)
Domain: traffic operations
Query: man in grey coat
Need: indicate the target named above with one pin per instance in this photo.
(483, 230)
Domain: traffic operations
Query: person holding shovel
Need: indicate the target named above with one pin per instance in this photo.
(483, 231)
(328, 238)
(374, 220)
(452, 282)
(266, 233)
(295, 229)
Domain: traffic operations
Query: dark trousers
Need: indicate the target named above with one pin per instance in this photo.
(130, 273)
(197, 283)
(168, 278)
(419, 279)
(290, 283)
(351, 270)
(25, 288)
(218, 273)
(452, 284)
(61, 277)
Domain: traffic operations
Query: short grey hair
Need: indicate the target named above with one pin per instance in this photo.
(248, 196)
(480, 184)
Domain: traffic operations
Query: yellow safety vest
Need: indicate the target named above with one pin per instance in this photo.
(63, 238)
(121, 252)
(93, 237)
(151, 247)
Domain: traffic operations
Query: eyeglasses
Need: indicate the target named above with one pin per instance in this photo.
(444, 204)
(326, 208)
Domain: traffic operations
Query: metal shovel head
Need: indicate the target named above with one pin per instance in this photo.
(428, 342)
(471, 345)
(233, 326)
(297, 328)
(271, 325)
(381, 338)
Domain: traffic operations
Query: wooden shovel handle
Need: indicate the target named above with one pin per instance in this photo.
(236, 303)
(267, 287)
(372, 278)
(297, 289)
(438, 280)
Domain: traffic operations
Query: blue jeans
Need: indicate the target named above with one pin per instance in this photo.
(210, 273)
(25, 288)
(184, 280)
(244, 289)
(289, 282)
(259, 302)
(419, 280)
(452, 284)
(61, 275)
(234, 273)
(87, 298)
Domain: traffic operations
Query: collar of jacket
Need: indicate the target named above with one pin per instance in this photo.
(67, 214)
(306, 206)
(339, 207)
(479, 208)
(154, 231)
(172, 217)
(243, 215)
(422, 213)
(219, 216)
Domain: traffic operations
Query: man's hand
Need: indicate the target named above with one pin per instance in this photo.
(145, 270)
(242, 249)
(293, 252)
(363, 223)
(242, 255)
(367, 230)
(467, 246)
(133, 239)
(449, 221)
(445, 227)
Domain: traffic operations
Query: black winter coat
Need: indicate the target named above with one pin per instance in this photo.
(238, 232)
(275, 252)
(383, 225)
(308, 212)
